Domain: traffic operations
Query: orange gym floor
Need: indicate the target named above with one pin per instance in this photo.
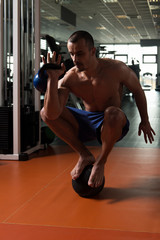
(38, 203)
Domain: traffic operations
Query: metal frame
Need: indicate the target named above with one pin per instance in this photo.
(158, 69)
(37, 59)
(16, 78)
(1, 52)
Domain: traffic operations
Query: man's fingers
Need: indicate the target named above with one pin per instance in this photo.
(149, 137)
(153, 131)
(48, 57)
(43, 60)
(54, 60)
(59, 60)
(54, 57)
(145, 138)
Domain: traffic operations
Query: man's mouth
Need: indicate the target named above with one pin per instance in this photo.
(78, 65)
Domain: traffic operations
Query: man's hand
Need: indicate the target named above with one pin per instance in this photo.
(57, 62)
(148, 132)
(53, 59)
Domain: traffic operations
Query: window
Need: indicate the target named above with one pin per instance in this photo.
(149, 58)
(122, 57)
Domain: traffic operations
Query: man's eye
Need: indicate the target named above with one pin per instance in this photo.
(76, 55)
(79, 54)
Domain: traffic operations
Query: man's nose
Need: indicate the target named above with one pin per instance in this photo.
(74, 58)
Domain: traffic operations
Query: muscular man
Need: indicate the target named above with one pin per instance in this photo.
(99, 83)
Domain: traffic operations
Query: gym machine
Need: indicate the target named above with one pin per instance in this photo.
(19, 61)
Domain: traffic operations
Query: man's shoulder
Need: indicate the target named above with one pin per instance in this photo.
(111, 62)
(115, 69)
(69, 76)
(71, 72)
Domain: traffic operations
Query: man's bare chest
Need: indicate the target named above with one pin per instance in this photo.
(95, 89)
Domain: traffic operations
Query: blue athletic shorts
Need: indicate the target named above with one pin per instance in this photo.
(90, 124)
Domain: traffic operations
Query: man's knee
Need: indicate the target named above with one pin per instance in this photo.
(114, 116)
(65, 118)
(44, 117)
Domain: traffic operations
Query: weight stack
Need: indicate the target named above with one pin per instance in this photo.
(29, 128)
(6, 130)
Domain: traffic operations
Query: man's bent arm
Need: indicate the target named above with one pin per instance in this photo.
(141, 104)
(133, 84)
(55, 98)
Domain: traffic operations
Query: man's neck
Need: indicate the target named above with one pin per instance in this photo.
(92, 71)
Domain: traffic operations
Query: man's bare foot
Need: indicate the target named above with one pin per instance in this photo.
(81, 164)
(97, 174)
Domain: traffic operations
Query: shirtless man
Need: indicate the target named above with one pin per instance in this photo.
(99, 83)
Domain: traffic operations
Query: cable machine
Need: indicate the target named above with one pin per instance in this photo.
(19, 61)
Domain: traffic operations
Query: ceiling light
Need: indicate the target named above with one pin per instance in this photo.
(134, 35)
(86, 17)
(101, 28)
(154, 7)
(51, 18)
(134, 16)
(130, 27)
(144, 36)
(110, 1)
(122, 16)
(154, 1)
(156, 15)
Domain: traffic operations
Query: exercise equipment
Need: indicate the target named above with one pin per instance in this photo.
(147, 81)
(47, 136)
(40, 79)
(80, 185)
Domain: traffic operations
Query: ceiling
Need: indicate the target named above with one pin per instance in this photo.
(109, 21)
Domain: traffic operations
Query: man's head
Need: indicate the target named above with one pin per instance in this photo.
(81, 48)
(76, 36)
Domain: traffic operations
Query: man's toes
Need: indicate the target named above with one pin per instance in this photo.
(75, 174)
(97, 184)
(91, 182)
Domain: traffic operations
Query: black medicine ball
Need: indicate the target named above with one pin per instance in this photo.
(80, 185)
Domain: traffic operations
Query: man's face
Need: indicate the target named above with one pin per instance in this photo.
(81, 54)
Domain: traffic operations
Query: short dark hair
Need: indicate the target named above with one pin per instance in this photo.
(82, 34)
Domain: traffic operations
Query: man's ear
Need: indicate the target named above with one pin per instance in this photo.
(93, 51)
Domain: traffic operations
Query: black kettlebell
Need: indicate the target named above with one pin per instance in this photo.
(40, 79)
